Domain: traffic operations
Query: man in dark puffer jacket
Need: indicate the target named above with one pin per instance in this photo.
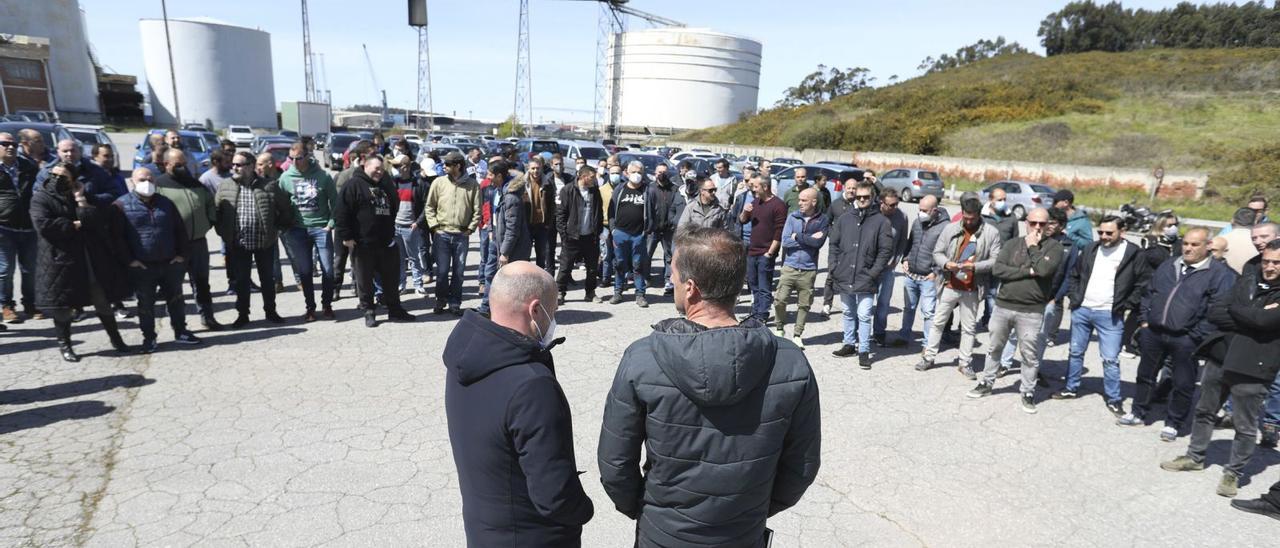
(729, 414)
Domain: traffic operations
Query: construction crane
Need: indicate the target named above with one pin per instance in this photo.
(377, 91)
(306, 55)
(612, 23)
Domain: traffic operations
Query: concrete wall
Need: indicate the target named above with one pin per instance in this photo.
(1176, 184)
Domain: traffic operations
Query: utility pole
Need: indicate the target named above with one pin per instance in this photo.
(173, 78)
(523, 108)
(306, 55)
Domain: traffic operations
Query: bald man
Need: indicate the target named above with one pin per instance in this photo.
(1218, 248)
(1025, 267)
(195, 205)
(509, 422)
(34, 148)
(919, 273)
(803, 236)
(99, 187)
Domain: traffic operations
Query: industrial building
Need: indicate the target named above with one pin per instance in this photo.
(680, 78)
(62, 77)
(223, 73)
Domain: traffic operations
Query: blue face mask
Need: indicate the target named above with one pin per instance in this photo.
(615, 177)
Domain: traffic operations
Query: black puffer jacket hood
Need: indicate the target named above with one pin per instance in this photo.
(713, 369)
(479, 347)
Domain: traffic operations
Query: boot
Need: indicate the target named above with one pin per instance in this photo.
(209, 322)
(113, 332)
(63, 330)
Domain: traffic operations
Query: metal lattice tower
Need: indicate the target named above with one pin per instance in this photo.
(523, 108)
(609, 25)
(424, 80)
(306, 54)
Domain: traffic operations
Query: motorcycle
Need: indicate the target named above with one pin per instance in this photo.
(1139, 219)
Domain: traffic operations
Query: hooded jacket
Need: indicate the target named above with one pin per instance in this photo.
(861, 244)
(1250, 333)
(1131, 278)
(730, 425)
(511, 228)
(921, 240)
(512, 438)
(1079, 229)
(901, 233)
(312, 195)
(367, 211)
(569, 212)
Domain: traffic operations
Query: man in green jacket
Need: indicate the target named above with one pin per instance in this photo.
(195, 206)
(250, 212)
(313, 198)
(452, 213)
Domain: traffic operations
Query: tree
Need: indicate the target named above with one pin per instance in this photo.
(825, 84)
(982, 49)
(1084, 26)
(510, 128)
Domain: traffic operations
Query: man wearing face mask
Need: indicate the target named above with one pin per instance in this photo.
(510, 426)
(734, 410)
(920, 274)
(579, 220)
(632, 218)
(365, 223)
(195, 205)
(704, 211)
(152, 240)
(996, 213)
(667, 207)
(861, 247)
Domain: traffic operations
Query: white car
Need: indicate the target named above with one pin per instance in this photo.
(413, 138)
(90, 136)
(242, 136)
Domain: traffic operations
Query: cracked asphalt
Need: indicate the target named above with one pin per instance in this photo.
(334, 434)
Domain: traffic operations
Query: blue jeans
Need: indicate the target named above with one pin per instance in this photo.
(606, 257)
(451, 260)
(484, 255)
(921, 293)
(1110, 328)
(17, 254)
(488, 269)
(409, 240)
(1271, 407)
(299, 245)
(883, 299)
(857, 313)
(628, 253)
(1050, 323)
(760, 282)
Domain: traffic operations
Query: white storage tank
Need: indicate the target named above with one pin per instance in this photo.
(683, 78)
(223, 71)
(71, 74)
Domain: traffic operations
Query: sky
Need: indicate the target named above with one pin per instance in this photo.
(473, 42)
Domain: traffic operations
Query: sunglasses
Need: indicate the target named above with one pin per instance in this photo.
(8, 144)
(862, 196)
(708, 190)
(296, 158)
(1036, 223)
(239, 164)
(1106, 232)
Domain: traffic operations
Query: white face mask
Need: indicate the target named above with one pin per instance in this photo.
(395, 173)
(550, 334)
(635, 178)
(144, 188)
(1171, 231)
(925, 216)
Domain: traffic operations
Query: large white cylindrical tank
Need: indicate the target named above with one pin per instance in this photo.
(682, 78)
(223, 73)
(75, 85)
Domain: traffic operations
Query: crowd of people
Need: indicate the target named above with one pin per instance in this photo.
(83, 234)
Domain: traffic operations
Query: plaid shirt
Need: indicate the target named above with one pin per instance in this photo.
(248, 225)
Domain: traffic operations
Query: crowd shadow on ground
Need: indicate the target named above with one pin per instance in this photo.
(23, 396)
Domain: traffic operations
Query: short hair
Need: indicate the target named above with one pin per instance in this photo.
(586, 170)
(1200, 229)
(298, 146)
(28, 135)
(1109, 219)
(889, 193)
(215, 156)
(722, 162)
(1258, 197)
(971, 206)
(363, 148)
(684, 164)
(1274, 227)
(636, 163)
(557, 156)
(714, 260)
(1273, 245)
(1244, 217)
(98, 148)
(538, 160)
(866, 185)
(1058, 216)
(247, 157)
(499, 166)
(226, 143)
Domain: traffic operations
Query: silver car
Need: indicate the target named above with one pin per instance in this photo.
(1021, 196)
(913, 184)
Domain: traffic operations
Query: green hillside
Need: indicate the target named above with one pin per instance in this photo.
(1205, 109)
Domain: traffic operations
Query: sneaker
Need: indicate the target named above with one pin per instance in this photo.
(36, 315)
(668, 291)
(592, 298)
(617, 299)
(1029, 404)
(1229, 485)
(1182, 464)
(1226, 423)
(826, 310)
(1257, 506)
(370, 320)
(864, 360)
(641, 302)
(186, 337)
(1168, 434)
(799, 342)
(210, 323)
(1129, 419)
(456, 311)
(279, 287)
(967, 371)
(924, 365)
(878, 340)
(420, 290)
(123, 313)
(1128, 354)
(981, 391)
(10, 315)
(1065, 395)
(845, 351)
(560, 300)
(1001, 371)
(148, 346)
(781, 332)
(1116, 408)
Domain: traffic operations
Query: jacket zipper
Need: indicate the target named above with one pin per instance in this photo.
(1164, 317)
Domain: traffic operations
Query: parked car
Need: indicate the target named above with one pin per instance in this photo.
(787, 161)
(668, 151)
(260, 142)
(52, 133)
(14, 118)
(320, 138)
(193, 143)
(743, 161)
(650, 161)
(592, 152)
(42, 116)
(279, 153)
(211, 139)
(413, 138)
(1022, 196)
(242, 136)
(335, 147)
(528, 147)
(439, 148)
(194, 127)
(89, 136)
(694, 154)
(289, 133)
(837, 177)
(913, 184)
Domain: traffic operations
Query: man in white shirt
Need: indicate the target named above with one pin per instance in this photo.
(1104, 285)
(726, 184)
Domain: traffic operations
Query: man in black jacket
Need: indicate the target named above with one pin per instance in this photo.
(579, 221)
(667, 206)
(1242, 364)
(729, 413)
(861, 244)
(365, 223)
(1174, 322)
(509, 422)
(17, 237)
(838, 207)
(1104, 284)
(920, 275)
